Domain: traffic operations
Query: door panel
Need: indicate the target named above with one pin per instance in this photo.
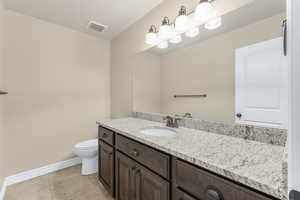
(106, 166)
(261, 85)
(150, 186)
(125, 167)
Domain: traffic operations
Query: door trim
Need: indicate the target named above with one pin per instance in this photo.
(293, 22)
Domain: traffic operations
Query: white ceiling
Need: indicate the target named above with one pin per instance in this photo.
(75, 14)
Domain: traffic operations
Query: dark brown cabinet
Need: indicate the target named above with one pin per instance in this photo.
(131, 170)
(106, 166)
(134, 182)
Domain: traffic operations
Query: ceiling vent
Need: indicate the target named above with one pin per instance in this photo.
(92, 25)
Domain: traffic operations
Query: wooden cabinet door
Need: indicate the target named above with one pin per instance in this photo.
(125, 168)
(150, 186)
(106, 166)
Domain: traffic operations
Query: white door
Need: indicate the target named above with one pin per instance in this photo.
(261, 85)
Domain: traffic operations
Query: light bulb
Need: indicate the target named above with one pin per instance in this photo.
(182, 21)
(204, 11)
(151, 36)
(165, 30)
(193, 32)
(163, 45)
(213, 23)
(176, 39)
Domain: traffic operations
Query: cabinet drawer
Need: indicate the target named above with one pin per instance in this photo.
(180, 195)
(106, 135)
(247, 194)
(202, 184)
(205, 185)
(153, 159)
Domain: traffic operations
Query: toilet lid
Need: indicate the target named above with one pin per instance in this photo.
(87, 144)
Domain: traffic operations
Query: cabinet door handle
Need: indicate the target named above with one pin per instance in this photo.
(135, 153)
(284, 25)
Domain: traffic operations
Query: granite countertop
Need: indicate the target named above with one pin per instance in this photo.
(257, 165)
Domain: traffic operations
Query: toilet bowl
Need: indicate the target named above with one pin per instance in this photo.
(88, 152)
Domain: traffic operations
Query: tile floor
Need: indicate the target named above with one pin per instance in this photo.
(67, 184)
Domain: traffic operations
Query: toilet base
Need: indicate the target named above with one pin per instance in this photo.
(89, 166)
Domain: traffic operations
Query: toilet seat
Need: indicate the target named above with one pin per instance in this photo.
(86, 145)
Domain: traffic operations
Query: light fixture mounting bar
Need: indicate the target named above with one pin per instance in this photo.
(190, 12)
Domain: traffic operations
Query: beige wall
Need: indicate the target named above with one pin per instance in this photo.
(146, 83)
(208, 67)
(59, 85)
(1, 98)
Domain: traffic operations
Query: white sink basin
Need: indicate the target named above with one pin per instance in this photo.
(158, 131)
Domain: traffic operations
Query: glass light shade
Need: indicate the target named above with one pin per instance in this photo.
(163, 45)
(193, 32)
(176, 39)
(151, 38)
(181, 23)
(204, 12)
(213, 23)
(165, 32)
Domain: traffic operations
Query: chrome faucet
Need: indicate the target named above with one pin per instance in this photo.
(172, 122)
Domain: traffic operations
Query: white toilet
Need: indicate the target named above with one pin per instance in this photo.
(88, 152)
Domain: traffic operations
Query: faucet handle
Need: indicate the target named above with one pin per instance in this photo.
(188, 115)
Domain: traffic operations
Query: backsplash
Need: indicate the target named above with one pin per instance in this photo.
(261, 134)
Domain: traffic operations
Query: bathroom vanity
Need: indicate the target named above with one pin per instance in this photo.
(187, 166)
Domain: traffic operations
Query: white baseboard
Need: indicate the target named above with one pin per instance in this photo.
(23, 176)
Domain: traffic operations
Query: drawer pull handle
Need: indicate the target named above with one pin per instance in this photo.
(212, 194)
(135, 153)
(104, 135)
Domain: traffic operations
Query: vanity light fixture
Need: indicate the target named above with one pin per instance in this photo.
(213, 23)
(165, 30)
(151, 36)
(176, 39)
(182, 21)
(163, 45)
(204, 14)
(204, 11)
(193, 32)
